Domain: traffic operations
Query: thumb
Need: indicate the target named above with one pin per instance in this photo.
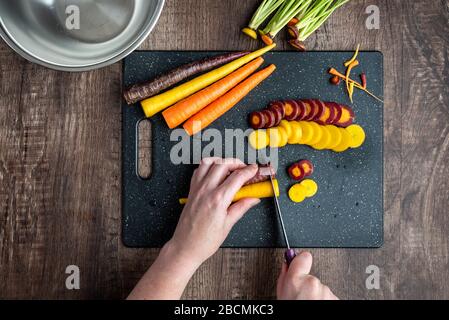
(301, 265)
(238, 209)
(281, 278)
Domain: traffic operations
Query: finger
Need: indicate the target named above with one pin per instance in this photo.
(281, 279)
(238, 209)
(220, 170)
(329, 295)
(301, 265)
(203, 168)
(236, 180)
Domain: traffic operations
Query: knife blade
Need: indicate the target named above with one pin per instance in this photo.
(289, 254)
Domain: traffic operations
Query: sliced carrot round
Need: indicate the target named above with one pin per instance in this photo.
(286, 125)
(284, 136)
(324, 141)
(307, 132)
(310, 186)
(357, 135)
(258, 139)
(296, 135)
(317, 133)
(275, 137)
(335, 136)
(345, 141)
(297, 193)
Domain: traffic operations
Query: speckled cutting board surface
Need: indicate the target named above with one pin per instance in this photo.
(347, 211)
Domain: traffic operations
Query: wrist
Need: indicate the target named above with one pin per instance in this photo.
(174, 254)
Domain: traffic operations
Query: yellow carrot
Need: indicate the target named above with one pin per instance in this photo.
(155, 104)
(256, 190)
(220, 106)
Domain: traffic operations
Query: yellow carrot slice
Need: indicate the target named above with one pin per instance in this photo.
(155, 104)
(335, 136)
(275, 137)
(307, 132)
(310, 186)
(297, 193)
(286, 125)
(357, 135)
(256, 190)
(324, 141)
(284, 136)
(296, 133)
(345, 141)
(317, 133)
(259, 139)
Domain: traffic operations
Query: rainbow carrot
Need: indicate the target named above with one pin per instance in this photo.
(184, 109)
(140, 91)
(220, 106)
(157, 103)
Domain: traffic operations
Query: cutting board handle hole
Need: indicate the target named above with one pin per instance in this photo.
(143, 149)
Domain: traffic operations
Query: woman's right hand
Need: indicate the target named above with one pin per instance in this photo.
(295, 282)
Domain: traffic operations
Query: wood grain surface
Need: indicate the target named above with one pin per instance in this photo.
(60, 164)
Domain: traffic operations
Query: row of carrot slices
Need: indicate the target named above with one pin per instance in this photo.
(302, 110)
(319, 137)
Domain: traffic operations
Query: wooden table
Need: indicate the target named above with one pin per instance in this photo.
(60, 164)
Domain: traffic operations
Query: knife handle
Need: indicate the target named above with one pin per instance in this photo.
(289, 255)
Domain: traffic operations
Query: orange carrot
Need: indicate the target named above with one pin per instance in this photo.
(184, 109)
(220, 106)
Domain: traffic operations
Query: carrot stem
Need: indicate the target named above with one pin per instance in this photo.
(266, 8)
(220, 106)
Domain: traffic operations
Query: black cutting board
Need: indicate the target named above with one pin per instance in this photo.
(347, 211)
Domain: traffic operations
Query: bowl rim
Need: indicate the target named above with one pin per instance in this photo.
(86, 67)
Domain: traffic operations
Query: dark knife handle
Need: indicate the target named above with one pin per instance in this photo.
(289, 255)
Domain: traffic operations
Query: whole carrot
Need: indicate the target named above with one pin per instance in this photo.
(219, 107)
(184, 109)
(147, 89)
(157, 103)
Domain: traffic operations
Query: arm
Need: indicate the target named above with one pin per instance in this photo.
(204, 224)
(296, 283)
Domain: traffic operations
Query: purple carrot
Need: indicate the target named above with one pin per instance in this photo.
(152, 87)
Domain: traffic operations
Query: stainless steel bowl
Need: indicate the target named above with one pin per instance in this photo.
(47, 31)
